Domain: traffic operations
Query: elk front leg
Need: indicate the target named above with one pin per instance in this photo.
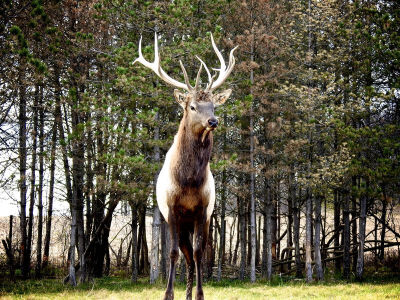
(200, 240)
(174, 255)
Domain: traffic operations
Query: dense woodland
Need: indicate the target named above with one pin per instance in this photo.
(312, 129)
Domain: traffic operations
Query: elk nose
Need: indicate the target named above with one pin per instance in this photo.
(213, 122)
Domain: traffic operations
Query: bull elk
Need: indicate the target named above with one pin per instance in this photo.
(185, 186)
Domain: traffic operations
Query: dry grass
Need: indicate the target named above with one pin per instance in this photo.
(116, 288)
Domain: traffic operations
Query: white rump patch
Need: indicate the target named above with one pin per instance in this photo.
(210, 185)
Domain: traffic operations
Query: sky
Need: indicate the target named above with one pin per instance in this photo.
(7, 208)
(9, 205)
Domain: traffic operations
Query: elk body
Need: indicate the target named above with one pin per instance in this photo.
(185, 186)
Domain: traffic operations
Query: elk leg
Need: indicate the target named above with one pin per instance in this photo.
(187, 250)
(174, 255)
(200, 239)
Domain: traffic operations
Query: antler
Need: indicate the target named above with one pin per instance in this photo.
(156, 67)
(212, 85)
(223, 71)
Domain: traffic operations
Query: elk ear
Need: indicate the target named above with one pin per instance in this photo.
(180, 97)
(220, 98)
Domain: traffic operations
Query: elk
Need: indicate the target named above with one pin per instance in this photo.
(185, 187)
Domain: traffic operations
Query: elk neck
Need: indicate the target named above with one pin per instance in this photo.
(192, 156)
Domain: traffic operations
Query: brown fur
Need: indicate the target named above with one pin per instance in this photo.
(202, 96)
(192, 157)
(189, 169)
(189, 201)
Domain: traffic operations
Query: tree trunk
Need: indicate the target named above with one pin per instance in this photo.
(248, 231)
(273, 224)
(78, 162)
(308, 241)
(7, 244)
(231, 235)
(289, 241)
(144, 251)
(155, 234)
(40, 191)
(82, 240)
(258, 250)
(252, 174)
(163, 261)
(72, 274)
(221, 253)
(354, 224)
(267, 240)
(238, 235)
(317, 243)
(165, 241)
(22, 172)
(242, 221)
(308, 235)
(155, 240)
(89, 181)
(278, 220)
(324, 250)
(96, 260)
(361, 235)
(182, 266)
(346, 235)
(383, 222)
(33, 173)
(125, 262)
(252, 200)
(336, 222)
(296, 232)
(107, 259)
(57, 120)
(209, 252)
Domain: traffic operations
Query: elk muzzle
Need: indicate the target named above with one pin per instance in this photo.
(213, 123)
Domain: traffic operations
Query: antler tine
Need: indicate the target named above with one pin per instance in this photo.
(211, 83)
(205, 67)
(220, 57)
(185, 75)
(196, 86)
(140, 52)
(210, 78)
(232, 59)
(156, 66)
(223, 71)
(156, 53)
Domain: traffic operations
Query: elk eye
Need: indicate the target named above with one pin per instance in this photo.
(192, 108)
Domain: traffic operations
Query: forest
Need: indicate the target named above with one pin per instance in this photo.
(306, 157)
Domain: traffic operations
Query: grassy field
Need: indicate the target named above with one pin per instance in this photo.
(117, 288)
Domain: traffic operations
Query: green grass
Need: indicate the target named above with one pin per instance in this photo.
(117, 288)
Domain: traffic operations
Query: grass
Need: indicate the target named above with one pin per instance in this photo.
(118, 288)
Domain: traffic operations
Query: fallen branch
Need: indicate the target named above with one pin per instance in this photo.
(389, 244)
(387, 226)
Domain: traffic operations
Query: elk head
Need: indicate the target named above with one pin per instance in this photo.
(198, 103)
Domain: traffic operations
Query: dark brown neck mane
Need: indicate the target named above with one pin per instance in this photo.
(192, 157)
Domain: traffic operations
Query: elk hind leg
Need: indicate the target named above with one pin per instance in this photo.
(186, 247)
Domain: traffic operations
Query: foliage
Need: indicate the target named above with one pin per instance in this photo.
(315, 91)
